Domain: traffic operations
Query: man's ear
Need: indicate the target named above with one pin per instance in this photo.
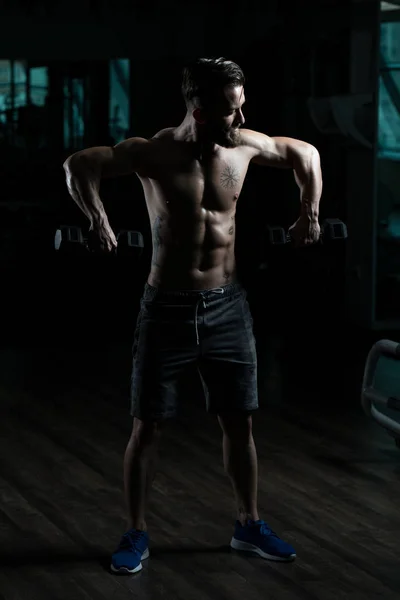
(198, 116)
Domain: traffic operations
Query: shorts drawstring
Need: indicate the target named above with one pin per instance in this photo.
(202, 299)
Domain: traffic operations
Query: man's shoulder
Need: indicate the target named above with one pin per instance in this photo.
(253, 142)
(151, 147)
(252, 138)
(165, 134)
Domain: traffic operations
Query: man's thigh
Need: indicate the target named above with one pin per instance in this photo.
(164, 348)
(228, 364)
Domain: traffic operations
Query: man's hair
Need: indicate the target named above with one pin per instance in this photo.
(204, 79)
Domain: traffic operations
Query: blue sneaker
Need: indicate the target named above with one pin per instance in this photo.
(257, 537)
(132, 549)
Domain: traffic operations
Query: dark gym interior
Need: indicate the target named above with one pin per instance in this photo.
(79, 74)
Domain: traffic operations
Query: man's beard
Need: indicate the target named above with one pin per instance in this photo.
(227, 138)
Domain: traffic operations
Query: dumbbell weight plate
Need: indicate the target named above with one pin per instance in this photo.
(69, 239)
(334, 229)
(130, 243)
(276, 235)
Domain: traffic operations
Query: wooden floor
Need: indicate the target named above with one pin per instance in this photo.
(328, 484)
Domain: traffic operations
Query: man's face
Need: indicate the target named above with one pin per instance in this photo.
(223, 120)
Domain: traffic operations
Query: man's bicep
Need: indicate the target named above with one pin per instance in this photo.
(126, 157)
(303, 158)
(106, 161)
(281, 152)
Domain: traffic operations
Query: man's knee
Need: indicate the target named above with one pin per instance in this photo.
(145, 431)
(234, 424)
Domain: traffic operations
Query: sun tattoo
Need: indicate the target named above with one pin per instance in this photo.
(229, 177)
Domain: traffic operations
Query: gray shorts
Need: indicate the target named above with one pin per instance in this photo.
(209, 329)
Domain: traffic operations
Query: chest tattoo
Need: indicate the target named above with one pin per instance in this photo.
(230, 176)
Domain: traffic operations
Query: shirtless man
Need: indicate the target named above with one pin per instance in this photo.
(194, 310)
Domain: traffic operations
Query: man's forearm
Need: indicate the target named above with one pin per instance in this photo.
(310, 196)
(309, 180)
(83, 186)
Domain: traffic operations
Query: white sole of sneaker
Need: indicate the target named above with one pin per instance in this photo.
(245, 547)
(127, 571)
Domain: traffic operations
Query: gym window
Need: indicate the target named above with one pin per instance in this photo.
(389, 91)
(74, 108)
(20, 87)
(119, 116)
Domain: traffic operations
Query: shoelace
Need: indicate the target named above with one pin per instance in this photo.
(267, 531)
(129, 539)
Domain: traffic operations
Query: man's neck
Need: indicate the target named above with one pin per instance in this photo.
(190, 131)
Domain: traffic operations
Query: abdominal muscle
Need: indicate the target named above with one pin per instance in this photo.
(193, 256)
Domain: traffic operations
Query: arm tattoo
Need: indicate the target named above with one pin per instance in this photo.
(230, 177)
(157, 239)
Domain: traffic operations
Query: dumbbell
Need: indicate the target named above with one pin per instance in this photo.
(332, 230)
(278, 242)
(69, 239)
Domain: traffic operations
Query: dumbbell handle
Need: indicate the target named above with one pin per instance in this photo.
(118, 235)
(332, 229)
(290, 240)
